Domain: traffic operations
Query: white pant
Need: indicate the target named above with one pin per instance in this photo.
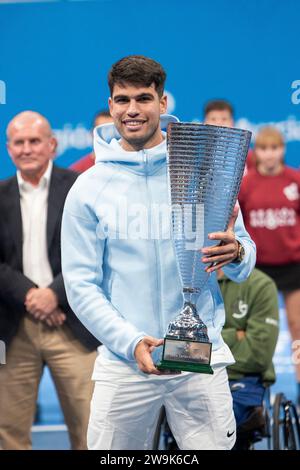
(126, 404)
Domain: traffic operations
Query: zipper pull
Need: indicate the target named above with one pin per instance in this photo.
(145, 157)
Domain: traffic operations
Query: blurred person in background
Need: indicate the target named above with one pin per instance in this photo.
(36, 322)
(221, 113)
(270, 202)
(102, 117)
(251, 332)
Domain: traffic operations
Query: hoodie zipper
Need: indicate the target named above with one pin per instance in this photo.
(156, 248)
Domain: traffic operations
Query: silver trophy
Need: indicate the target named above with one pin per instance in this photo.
(205, 165)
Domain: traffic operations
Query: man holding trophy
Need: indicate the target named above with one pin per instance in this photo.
(143, 233)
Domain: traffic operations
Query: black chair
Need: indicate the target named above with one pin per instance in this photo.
(286, 428)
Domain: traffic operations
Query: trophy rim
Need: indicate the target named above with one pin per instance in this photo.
(215, 129)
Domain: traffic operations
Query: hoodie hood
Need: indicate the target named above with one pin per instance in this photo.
(108, 149)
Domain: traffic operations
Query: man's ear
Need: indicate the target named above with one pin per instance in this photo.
(110, 105)
(53, 144)
(163, 104)
(8, 149)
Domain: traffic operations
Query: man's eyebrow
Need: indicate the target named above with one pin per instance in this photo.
(144, 95)
(141, 95)
(116, 97)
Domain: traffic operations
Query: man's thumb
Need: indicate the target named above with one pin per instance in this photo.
(154, 341)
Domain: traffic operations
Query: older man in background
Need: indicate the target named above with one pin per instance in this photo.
(36, 322)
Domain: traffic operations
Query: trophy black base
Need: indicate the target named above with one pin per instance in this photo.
(182, 354)
(184, 367)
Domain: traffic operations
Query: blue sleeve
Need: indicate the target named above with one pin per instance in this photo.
(83, 245)
(239, 272)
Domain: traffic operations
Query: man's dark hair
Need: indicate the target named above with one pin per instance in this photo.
(218, 105)
(137, 70)
(102, 113)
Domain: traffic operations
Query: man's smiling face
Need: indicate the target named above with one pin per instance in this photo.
(136, 113)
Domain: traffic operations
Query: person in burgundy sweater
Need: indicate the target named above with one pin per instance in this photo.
(270, 203)
(102, 117)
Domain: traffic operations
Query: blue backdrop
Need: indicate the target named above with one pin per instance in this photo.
(55, 55)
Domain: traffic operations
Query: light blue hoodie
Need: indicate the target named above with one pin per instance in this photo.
(124, 288)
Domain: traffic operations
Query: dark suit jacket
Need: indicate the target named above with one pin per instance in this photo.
(13, 284)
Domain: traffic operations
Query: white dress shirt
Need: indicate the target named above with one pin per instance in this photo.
(34, 206)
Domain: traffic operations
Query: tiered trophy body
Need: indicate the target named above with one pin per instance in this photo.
(205, 167)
